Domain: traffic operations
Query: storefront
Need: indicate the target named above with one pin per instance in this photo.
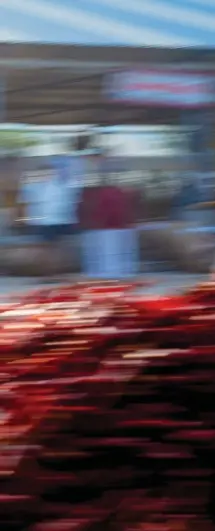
(114, 89)
(154, 159)
(191, 94)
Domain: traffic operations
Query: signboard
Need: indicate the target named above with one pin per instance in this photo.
(153, 87)
(153, 142)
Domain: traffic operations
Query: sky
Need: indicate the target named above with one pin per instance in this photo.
(109, 22)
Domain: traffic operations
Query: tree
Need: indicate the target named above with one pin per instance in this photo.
(14, 143)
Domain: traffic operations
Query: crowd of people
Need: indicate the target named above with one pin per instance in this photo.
(102, 215)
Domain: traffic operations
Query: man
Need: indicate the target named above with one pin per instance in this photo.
(71, 171)
(117, 236)
(187, 199)
(109, 240)
(47, 206)
(88, 232)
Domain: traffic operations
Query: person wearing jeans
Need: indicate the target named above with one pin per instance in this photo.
(88, 233)
(109, 236)
(117, 237)
(47, 206)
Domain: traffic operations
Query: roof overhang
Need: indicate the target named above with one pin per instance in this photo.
(57, 84)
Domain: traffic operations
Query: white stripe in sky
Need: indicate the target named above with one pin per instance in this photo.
(10, 35)
(118, 32)
(203, 3)
(165, 11)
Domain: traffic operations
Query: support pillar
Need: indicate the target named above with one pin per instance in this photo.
(3, 113)
(200, 154)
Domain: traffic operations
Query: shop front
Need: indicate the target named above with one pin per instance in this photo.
(152, 118)
(191, 94)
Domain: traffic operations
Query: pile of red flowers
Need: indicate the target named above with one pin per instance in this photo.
(107, 416)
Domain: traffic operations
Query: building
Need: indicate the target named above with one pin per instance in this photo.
(111, 63)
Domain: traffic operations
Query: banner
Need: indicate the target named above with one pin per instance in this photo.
(158, 141)
(174, 89)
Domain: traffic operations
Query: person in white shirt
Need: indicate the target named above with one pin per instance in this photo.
(48, 208)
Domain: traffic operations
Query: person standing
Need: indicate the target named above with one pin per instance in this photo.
(187, 199)
(117, 235)
(109, 237)
(47, 206)
(87, 232)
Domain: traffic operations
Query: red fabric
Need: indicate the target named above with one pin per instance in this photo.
(108, 207)
(86, 209)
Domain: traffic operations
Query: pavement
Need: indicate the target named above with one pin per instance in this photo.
(164, 283)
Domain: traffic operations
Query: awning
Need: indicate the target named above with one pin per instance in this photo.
(47, 84)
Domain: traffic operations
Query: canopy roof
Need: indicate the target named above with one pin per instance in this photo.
(53, 84)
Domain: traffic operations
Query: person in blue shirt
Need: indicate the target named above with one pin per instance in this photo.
(47, 208)
(188, 196)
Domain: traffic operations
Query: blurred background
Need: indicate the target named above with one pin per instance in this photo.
(107, 172)
(107, 89)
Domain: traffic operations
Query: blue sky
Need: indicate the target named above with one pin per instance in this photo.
(131, 22)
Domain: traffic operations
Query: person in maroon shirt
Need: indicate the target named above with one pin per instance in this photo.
(107, 218)
(88, 233)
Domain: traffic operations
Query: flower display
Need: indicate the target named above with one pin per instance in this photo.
(107, 410)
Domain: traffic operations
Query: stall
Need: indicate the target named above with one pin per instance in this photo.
(106, 87)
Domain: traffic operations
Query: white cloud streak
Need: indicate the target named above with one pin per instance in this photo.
(81, 20)
(166, 11)
(10, 35)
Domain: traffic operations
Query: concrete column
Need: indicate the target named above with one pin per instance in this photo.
(200, 139)
(3, 113)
